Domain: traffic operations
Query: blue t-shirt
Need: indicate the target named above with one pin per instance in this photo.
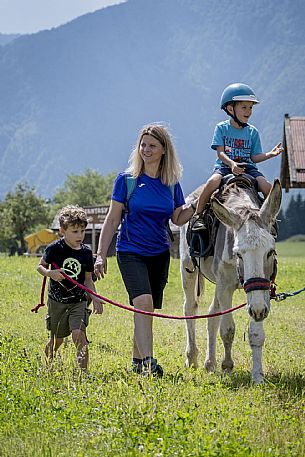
(151, 205)
(239, 144)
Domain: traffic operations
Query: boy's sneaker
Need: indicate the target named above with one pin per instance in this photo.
(150, 367)
(199, 224)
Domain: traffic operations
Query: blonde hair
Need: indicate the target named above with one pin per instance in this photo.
(170, 168)
(72, 215)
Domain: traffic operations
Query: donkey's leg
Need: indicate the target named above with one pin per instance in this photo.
(212, 329)
(227, 327)
(227, 333)
(190, 309)
(256, 340)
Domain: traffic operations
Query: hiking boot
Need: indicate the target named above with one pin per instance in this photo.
(199, 224)
(150, 367)
(136, 367)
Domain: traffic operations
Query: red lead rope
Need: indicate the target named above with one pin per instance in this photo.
(129, 308)
(41, 304)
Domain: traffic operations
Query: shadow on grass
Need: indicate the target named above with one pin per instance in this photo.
(289, 384)
(286, 385)
(237, 379)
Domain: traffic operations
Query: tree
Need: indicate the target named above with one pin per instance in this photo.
(88, 189)
(21, 212)
(293, 219)
(282, 235)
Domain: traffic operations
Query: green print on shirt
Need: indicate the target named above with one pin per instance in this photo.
(71, 267)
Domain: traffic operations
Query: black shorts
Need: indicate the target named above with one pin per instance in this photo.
(144, 275)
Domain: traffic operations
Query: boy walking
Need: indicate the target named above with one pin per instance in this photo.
(67, 303)
(238, 145)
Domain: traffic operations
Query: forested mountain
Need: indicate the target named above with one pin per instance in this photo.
(291, 220)
(76, 96)
(7, 38)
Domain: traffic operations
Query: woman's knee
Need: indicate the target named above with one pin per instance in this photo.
(143, 302)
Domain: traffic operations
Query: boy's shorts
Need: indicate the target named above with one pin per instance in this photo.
(62, 318)
(250, 169)
(144, 275)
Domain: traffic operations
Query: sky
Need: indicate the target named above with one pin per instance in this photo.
(30, 16)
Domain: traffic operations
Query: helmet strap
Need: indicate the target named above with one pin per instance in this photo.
(241, 124)
(234, 117)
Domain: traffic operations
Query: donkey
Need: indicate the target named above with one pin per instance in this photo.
(244, 256)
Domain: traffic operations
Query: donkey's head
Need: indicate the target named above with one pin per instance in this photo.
(254, 246)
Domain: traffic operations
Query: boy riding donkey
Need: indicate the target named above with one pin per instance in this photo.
(238, 146)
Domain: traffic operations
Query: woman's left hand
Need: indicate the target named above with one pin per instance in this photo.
(100, 267)
(97, 305)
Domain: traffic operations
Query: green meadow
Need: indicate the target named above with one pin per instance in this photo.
(110, 412)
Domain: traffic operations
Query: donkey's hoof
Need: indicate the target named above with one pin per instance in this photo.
(258, 379)
(227, 367)
(210, 366)
(189, 363)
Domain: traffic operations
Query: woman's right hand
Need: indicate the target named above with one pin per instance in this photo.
(100, 267)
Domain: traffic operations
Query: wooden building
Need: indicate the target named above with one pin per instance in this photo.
(293, 158)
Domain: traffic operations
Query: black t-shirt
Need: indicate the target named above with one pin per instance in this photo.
(74, 262)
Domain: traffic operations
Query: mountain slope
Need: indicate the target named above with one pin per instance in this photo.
(76, 96)
(7, 38)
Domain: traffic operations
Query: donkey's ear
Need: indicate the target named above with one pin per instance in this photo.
(229, 218)
(272, 204)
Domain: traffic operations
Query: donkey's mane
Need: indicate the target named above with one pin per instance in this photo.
(243, 200)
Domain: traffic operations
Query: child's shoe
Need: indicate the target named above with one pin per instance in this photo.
(199, 224)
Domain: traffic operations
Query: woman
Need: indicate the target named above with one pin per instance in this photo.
(142, 244)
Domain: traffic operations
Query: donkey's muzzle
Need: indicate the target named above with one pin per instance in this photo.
(258, 314)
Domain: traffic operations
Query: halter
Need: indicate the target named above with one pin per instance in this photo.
(257, 283)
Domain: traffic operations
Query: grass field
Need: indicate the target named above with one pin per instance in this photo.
(291, 249)
(110, 412)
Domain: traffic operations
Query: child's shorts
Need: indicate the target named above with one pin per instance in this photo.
(250, 169)
(63, 318)
(144, 275)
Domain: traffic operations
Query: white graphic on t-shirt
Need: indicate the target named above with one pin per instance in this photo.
(142, 184)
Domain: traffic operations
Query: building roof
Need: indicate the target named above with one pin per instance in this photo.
(293, 158)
